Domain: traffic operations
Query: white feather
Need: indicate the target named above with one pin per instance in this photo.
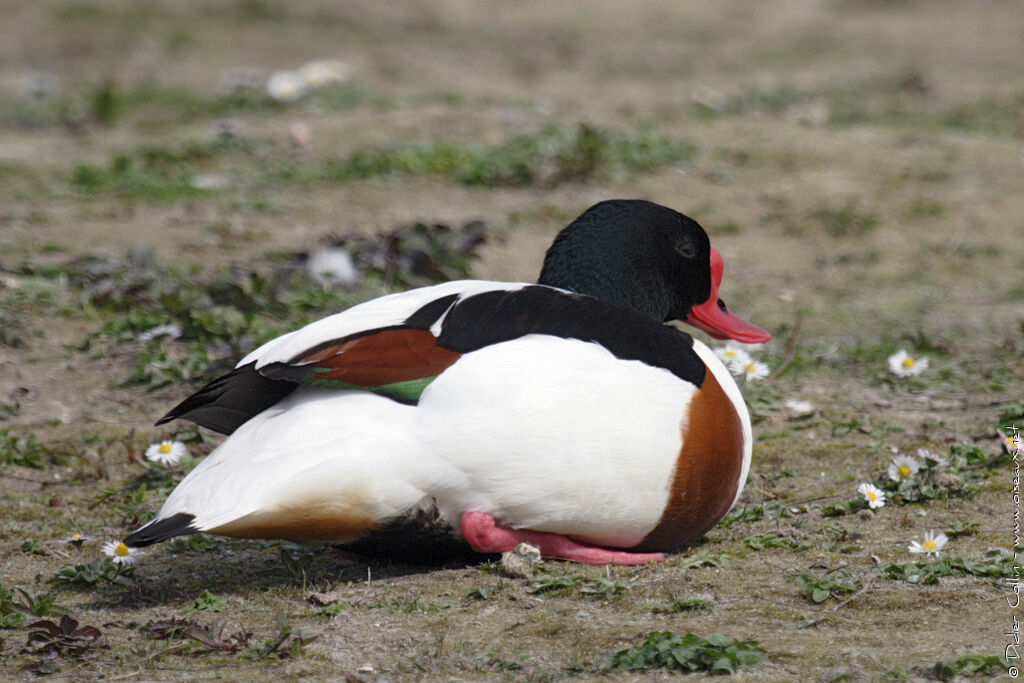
(315, 445)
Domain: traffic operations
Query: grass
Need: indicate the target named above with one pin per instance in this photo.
(579, 584)
(959, 474)
(819, 589)
(676, 606)
(22, 451)
(996, 563)
(688, 653)
(900, 99)
(550, 157)
(849, 220)
(157, 107)
(163, 174)
(968, 665)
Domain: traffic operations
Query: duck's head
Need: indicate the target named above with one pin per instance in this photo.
(650, 258)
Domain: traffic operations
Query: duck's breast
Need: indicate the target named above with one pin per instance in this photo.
(713, 462)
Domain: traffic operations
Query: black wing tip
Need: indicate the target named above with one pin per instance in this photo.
(229, 401)
(179, 524)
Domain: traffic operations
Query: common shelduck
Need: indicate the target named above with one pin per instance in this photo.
(562, 413)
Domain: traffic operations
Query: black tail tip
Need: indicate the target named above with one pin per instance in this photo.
(161, 530)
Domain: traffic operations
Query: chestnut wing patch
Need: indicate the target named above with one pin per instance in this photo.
(395, 362)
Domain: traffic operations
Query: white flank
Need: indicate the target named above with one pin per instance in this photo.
(316, 447)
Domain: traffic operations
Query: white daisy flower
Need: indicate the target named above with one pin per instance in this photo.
(731, 353)
(170, 330)
(872, 494)
(324, 71)
(166, 452)
(76, 539)
(902, 364)
(924, 455)
(751, 370)
(286, 86)
(931, 546)
(1013, 441)
(333, 266)
(799, 408)
(120, 553)
(903, 467)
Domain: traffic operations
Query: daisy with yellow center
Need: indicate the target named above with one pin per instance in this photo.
(286, 86)
(902, 364)
(926, 456)
(903, 467)
(872, 494)
(732, 353)
(751, 370)
(1013, 441)
(119, 553)
(76, 539)
(931, 546)
(324, 71)
(166, 452)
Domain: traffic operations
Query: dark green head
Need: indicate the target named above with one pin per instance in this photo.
(649, 258)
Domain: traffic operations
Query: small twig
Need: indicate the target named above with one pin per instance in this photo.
(774, 566)
(439, 644)
(124, 676)
(991, 461)
(8, 475)
(792, 345)
(852, 597)
(811, 500)
(836, 568)
(813, 622)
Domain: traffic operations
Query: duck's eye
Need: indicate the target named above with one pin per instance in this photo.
(686, 249)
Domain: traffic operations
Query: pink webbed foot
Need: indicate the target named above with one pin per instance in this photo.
(485, 536)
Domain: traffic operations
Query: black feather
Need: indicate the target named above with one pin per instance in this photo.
(162, 529)
(227, 402)
(493, 317)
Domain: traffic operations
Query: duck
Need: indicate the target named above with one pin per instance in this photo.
(563, 413)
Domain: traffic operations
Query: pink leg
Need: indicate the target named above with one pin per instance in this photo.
(485, 536)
